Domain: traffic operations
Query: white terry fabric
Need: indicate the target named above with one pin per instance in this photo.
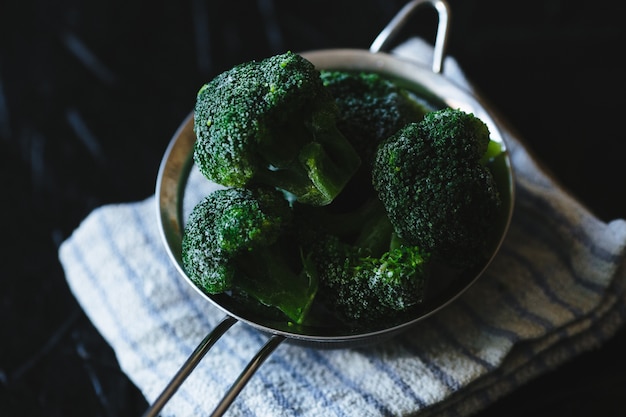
(556, 289)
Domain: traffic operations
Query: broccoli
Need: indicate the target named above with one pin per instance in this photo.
(366, 273)
(439, 194)
(371, 108)
(343, 192)
(273, 122)
(365, 289)
(239, 240)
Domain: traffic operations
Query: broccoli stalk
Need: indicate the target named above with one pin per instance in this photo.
(238, 240)
(271, 280)
(273, 122)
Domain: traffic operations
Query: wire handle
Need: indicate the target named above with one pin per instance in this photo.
(197, 355)
(400, 19)
(245, 375)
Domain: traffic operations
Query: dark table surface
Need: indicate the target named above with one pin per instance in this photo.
(91, 92)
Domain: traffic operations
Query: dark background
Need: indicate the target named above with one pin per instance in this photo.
(91, 93)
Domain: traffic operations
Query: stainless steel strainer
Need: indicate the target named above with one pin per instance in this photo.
(428, 83)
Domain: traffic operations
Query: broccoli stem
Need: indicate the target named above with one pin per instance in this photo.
(493, 149)
(269, 277)
(329, 176)
(365, 227)
(309, 160)
(377, 236)
(368, 228)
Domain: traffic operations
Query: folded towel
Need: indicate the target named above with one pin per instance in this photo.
(556, 289)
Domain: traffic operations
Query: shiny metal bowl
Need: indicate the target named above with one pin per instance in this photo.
(429, 84)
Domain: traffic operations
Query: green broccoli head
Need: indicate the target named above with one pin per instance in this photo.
(363, 288)
(239, 240)
(365, 234)
(225, 224)
(272, 122)
(371, 108)
(437, 191)
(366, 273)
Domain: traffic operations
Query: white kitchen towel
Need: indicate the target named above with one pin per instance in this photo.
(556, 289)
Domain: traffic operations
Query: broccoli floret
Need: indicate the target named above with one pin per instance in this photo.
(239, 240)
(273, 122)
(365, 272)
(371, 108)
(439, 194)
(302, 219)
(364, 288)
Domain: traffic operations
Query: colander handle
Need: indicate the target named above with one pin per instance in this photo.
(385, 37)
(264, 352)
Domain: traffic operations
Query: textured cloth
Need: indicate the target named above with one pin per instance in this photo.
(555, 289)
